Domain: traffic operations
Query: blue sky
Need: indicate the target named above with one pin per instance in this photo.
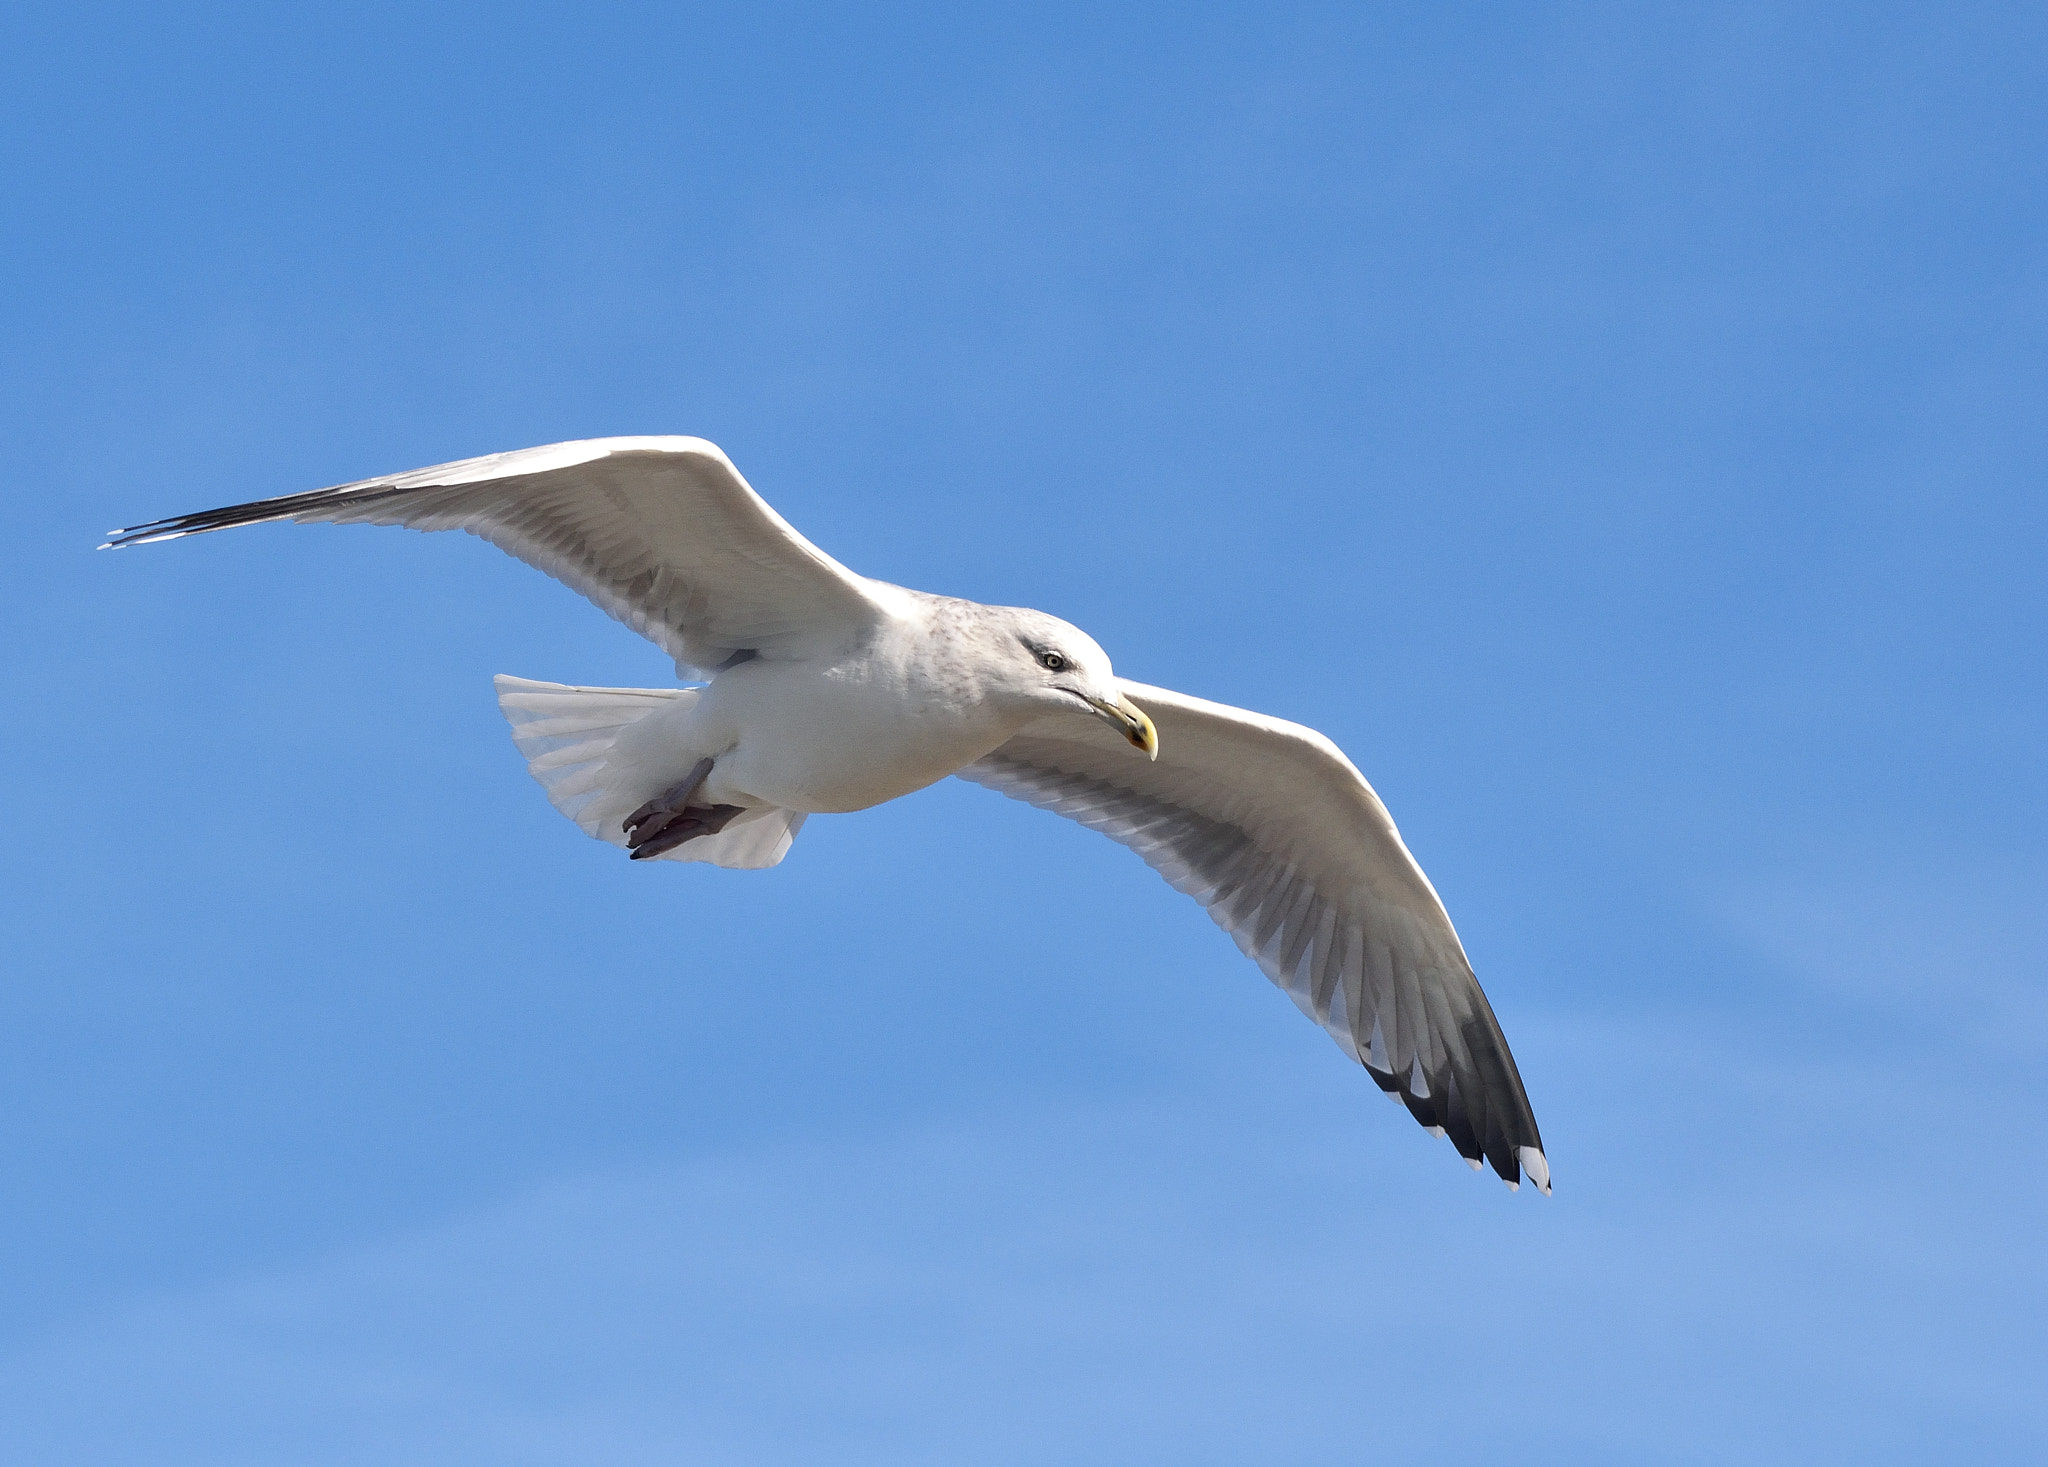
(1619, 427)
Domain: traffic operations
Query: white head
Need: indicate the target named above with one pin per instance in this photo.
(1042, 665)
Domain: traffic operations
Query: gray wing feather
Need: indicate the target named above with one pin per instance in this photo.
(661, 533)
(1279, 837)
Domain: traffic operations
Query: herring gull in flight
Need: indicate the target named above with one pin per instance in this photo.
(823, 691)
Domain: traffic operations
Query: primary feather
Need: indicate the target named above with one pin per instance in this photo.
(1280, 838)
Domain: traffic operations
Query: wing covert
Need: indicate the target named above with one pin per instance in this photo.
(1279, 837)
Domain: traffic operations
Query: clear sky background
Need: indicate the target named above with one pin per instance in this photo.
(1620, 427)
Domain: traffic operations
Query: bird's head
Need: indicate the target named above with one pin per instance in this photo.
(1050, 666)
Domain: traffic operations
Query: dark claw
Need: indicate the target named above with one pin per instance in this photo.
(640, 816)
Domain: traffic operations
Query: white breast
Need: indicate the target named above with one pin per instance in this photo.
(823, 739)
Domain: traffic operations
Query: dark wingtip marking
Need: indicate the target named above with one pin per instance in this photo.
(255, 512)
(1424, 1111)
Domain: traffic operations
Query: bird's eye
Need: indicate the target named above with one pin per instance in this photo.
(1052, 661)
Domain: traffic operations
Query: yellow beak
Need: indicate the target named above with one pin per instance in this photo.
(1132, 723)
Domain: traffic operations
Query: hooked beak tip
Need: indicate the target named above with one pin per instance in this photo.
(1138, 728)
(1130, 721)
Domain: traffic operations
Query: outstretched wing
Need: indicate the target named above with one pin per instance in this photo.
(662, 533)
(1273, 830)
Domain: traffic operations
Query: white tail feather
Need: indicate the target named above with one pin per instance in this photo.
(566, 733)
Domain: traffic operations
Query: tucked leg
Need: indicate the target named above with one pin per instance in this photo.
(669, 819)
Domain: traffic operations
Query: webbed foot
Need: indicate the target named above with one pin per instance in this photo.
(669, 819)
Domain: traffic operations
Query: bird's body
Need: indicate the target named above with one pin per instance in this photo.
(844, 729)
(821, 691)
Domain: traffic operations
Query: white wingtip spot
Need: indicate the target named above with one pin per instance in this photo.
(1513, 1185)
(1437, 1131)
(1536, 1166)
(1472, 1162)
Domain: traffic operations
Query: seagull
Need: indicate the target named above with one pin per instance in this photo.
(815, 690)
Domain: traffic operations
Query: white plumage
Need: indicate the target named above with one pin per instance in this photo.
(566, 734)
(826, 691)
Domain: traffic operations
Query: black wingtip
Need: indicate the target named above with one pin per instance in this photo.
(141, 535)
(256, 512)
